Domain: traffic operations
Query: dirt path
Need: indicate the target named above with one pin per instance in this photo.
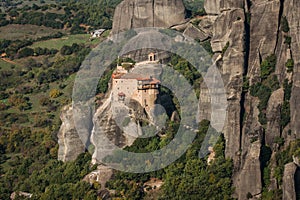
(9, 61)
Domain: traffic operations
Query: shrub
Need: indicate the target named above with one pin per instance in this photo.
(279, 141)
(54, 93)
(3, 95)
(268, 66)
(16, 99)
(249, 195)
(287, 89)
(225, 48)
(263, 93)
(289, 65)
(2, 106)
(66, 50)
(24, 106)
(285, 114)
(45, 101)
(25, 52)
(287, 40)
(272, 82)
(207, 46)
(285, 24)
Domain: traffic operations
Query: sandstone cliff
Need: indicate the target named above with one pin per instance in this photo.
(147, 13)
(70, 143)
(243, 35)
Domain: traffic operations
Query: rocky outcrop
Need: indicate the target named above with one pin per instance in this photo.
(273, 117)
(70, 143)
(228, 33)
(101, 175)
(243, 34)
(195, 33)
(288, 182)
(249, 180)
(147, 13)
(212, 7)
(107, 133)
(265, 17)
(292, 13)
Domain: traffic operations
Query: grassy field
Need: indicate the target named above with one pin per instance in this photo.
(5, 65)
(37, 2)
(67, 40)
(17, 31)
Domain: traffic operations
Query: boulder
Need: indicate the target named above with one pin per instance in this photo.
(195, 33)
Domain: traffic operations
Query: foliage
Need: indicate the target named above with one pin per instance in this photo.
(287, 40)
(285, 24)
(25, 52)
(279, 141)
(207, 46)
(54, 93)
(285, 114)
(289, 65)
(248, 18)
(188, 71)
(285, 109)
(263, 93)
(268, 66)
(195, 178)
(187, 178)
(225, 48)
(264, 158)
(19, 101)
(194, 7)
(264, 89)
(32, 165)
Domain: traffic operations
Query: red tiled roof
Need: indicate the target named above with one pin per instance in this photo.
(138, 77)
(155, 81)
(121, 94)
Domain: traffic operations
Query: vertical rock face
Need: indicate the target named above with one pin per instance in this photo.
(228, 36)
(264, 29)
(227, 43)
(212, 7)
(147, 13)
(243, 34)
(292, 13)
(249, 177)
(273, 117)
(288, 185)
(70, 144)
